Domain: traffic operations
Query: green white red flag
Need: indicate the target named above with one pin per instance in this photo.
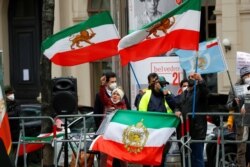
(96, 38)
(177, 29)
(5, 135)
(137, 137)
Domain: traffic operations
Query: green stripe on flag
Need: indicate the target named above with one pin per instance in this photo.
(94, 21)
(153, 120)
(184, 7)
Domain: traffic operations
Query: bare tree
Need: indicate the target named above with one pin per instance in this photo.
(47, 30)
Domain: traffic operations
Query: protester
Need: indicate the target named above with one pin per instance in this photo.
(114, 102)
(236, 103)
(183, 87)
(109, 98)
(158, 99)
(13, 111)
(198, 123)
(110, 85)
(151, 79)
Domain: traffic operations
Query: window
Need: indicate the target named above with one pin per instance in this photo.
(95, 6)
(208, 21)
(208, 31)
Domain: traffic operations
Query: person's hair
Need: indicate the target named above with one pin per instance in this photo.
(119, 90)
(152, 75)
(183, 81)
(8, 89)
(110, 75)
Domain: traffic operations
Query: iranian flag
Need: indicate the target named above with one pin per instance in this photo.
(96, 38)
(177, 29)
(30, 147)
(5, 136)
(137, 137)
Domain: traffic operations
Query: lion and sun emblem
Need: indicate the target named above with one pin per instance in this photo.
(135, 137)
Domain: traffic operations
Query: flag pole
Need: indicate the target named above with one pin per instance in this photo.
(194, 96)
(130, 65)
(228, 74)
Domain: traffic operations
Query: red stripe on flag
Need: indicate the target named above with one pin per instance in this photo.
(29, 148)
(148, 155)
(87, 54)
(5, 133)
(179, 39)
(34, 146)
(209, 45)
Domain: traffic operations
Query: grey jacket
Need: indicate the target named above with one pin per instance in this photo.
(232, 106)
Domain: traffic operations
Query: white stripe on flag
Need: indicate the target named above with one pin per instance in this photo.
(181, 22)
(157, 137)
(63, 44)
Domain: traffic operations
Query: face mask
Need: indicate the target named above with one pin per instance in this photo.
(11, 97)
(247, 81)
(163, 88)
(191, 82)
(184, 88)
(112, 86)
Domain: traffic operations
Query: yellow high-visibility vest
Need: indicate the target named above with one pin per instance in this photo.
(143, 105)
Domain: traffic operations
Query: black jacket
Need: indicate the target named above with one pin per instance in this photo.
(198, 124)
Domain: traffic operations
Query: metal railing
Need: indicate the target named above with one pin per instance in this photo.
(86, 137)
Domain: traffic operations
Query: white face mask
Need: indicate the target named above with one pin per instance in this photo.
(184, 88)
(11, 97)
(112, 86)
(247, 81)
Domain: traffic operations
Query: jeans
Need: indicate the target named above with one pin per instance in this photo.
(197, 159)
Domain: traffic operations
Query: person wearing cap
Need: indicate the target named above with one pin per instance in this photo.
(151, 79)
(157, 98)
(237, 105)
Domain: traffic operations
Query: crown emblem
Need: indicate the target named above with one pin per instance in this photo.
(135, 137)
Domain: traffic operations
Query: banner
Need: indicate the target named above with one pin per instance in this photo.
(169, 67)
(242, 59)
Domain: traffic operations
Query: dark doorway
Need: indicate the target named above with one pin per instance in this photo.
(24, 17)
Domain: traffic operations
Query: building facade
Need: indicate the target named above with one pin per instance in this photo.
(20, 39)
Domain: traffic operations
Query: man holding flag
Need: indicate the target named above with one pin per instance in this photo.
(198, 123)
